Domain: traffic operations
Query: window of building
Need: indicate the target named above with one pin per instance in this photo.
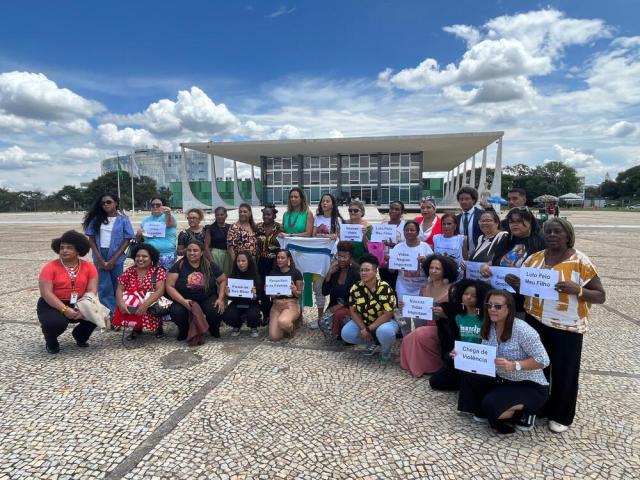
(405, 160)
(395, 160)
(277, 177)
(306, 177)
(404, 194)
(394, 176)
(324, 162)
(286, 163)
(373, 175)
(364, 177)
(315, 162)
(324, 178)
(404, 176)
(306, 163)
(384, 177)
(315, 194)
(354, 161)
(333, 162)
(354, 177)
(344, 178)
(384, 161)
(394, 193)
(315, 177)
(294, 176)
(277, 163)
(364, 161)
(333, 177)
(286, 178)
(269, 178)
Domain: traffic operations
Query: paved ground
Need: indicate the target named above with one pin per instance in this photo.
(249, 408)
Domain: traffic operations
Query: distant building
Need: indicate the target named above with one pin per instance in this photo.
(163, 167)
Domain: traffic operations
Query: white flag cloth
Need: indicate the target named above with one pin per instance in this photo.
(311, 255)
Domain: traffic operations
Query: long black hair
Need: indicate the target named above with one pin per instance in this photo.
(456, 291)
(533, 243)
(335, 213)
(252, 270)
(96, 215)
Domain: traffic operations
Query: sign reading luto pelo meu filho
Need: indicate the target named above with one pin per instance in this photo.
(539, 283)
(475, 358)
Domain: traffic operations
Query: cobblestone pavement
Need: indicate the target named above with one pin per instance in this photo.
(250, 408)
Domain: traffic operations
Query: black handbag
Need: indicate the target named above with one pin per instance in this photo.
(160, 307)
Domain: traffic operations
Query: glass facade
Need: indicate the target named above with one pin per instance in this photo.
(373, 178)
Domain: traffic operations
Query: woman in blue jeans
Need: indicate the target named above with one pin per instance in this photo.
(372, 303)
(109, 233)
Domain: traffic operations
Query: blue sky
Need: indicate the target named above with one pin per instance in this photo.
(81, 80)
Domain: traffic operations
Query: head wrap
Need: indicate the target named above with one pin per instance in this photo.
(430, 200)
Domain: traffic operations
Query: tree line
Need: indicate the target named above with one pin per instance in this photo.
(71, 197)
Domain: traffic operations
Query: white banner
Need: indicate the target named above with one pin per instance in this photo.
(310, 254)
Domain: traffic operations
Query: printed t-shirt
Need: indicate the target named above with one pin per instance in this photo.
(322, 225)
(370, 305)
(568, 312)
(469, 326)
(191, 281)
(56, 273)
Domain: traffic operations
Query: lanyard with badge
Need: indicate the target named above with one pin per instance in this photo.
(73, 274)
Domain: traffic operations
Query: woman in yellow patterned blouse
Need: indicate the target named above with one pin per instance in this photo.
(561, 323)
(372, 302)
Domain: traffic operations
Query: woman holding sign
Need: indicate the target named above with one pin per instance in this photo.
(420, 352)
(159, 230)
(285, 309)
(242, 234)
(243, 290)
(406, 258)
(372, 303)
(562, 322)
(519, 389)
(430, 223)
(490, 240)
(196, 280)
(356, 217)
(396, 226)
(449, 242)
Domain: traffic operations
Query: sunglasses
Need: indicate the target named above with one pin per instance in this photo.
(107, 202)
(354, 210)
(494, 306)
(193, 218)
(156, 204)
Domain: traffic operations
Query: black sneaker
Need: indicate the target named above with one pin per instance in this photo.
(53, 347)
(525, 423)
(504, 428)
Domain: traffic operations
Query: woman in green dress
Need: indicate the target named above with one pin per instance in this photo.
(298, 222)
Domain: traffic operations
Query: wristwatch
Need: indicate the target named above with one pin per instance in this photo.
(518, 366)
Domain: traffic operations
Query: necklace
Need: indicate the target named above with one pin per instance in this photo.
(295, 216)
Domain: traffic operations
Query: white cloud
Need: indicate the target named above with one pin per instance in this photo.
(16, 158)
(586, 164)
(493, 91)
(622, 129)
(83, 153)
(34, 96)
(286, 132)
(109, 134)
(282, 10)
(469, 34)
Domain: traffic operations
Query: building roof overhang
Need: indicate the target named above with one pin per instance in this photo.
(441, 152)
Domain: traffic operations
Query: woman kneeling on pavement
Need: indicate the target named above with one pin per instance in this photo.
(519, 390)
(244, 268)
(285, 309)
(62, 282)
(372, 303)
(194, 279)
(139, 287)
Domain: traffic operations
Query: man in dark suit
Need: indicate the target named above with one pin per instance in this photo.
(469, 219)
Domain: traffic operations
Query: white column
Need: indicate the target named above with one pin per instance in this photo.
(473, 171)
(189, 200)
(483, 172)
(496, 185)
(237, 197)
(255, 199)
(447, 186)
(456, 186)
(216, 198)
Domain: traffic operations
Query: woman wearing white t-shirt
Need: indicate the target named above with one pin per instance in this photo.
(326, 224)
(449, 242)
(410, 282)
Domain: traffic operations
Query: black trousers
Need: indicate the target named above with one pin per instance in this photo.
(388, 276)
(234, 312)
(265, 265)
(447, 378)
(180, 316)
(490, 397)
(564, 350)
(53, 324)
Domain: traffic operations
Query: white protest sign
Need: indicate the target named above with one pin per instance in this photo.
(155, 229)
(403, 259)
(539, 283)
(351, 232)
(475, 358)
(241, 288)
(417, 307)
(278, 285)
(383, 232)
(472, 271)
(498, 274)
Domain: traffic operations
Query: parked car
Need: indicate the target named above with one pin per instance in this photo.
(633, 207)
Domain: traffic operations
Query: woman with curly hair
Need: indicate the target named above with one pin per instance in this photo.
(109, 232)
(62, 282)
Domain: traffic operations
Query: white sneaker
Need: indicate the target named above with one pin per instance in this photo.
(254, 333)
(480, 419)
(556, 427)
(235, 332)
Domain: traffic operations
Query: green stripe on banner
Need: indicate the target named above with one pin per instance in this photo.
(307, 296)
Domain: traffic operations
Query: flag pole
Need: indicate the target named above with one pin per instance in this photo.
(118, 156)
(133, 204)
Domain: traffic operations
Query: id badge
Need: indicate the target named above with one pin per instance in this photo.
(74, 298)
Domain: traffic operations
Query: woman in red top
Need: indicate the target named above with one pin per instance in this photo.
(429, 222)
(62, 282)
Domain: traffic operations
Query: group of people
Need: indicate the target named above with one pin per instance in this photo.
(538, 341)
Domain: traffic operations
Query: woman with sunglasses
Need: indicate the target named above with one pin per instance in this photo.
(356, 217)
(164, 243)
(194, 231)
(430, 223)
(510, 400)
(110, 233)
(562, 323)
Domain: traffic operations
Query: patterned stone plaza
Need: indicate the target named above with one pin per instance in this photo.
(250, 408)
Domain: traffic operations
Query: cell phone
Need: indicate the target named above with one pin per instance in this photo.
(132, 310)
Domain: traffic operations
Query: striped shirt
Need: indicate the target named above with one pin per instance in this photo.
(568, 312)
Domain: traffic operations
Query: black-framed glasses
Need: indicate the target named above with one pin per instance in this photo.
(495, 306)
(107, 202)
(354, 210)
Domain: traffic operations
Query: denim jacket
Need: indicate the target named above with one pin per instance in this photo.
(122, 230)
